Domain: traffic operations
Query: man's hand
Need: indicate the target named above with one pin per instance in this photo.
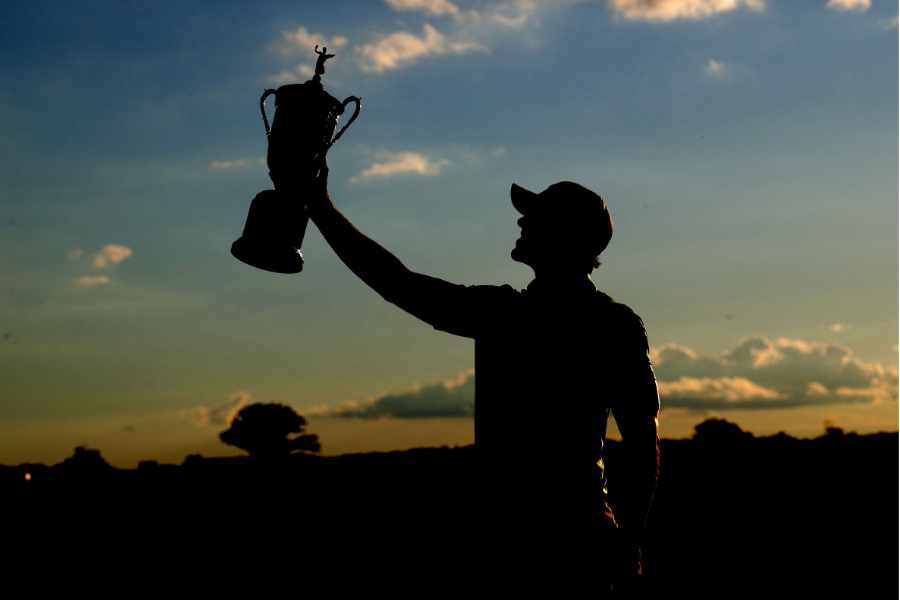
(310, 188)
(632, 560)
(317, 195)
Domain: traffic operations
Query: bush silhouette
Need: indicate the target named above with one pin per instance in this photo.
(263, 430)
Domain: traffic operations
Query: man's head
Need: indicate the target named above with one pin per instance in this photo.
(566, 226)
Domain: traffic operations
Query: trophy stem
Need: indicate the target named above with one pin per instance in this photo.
(301, 227)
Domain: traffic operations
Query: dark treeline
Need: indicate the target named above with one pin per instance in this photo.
(731, 509)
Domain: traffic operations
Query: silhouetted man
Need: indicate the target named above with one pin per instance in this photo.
(551, 362)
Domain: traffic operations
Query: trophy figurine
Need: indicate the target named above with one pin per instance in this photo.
(302, 131)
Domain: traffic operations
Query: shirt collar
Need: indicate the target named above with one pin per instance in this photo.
(545, 287)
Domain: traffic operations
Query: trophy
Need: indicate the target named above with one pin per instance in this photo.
(302, 131)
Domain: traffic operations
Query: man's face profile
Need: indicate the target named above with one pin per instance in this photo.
(548, 242)
(524, 249)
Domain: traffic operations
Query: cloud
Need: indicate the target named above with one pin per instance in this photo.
(837, 327)
(300, 73)
(402, 48)
(435, 8)
(891, 24)
(814, 388)
(507, 14)
(220, 415)
(671, 10)
(715, 391)
(514, 15)
(760, 374)
(848, 5)
(716, 69)
(242, 163)
(91, 281)
(397, 163)
(111, 254)
(453, 398)
(302, 41)
(74, 254)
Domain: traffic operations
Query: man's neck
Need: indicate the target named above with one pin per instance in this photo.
(556, 282)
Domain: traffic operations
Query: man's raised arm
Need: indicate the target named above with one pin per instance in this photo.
(378, 268)
(426, 298)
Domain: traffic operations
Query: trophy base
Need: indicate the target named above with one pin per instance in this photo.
(268, 257)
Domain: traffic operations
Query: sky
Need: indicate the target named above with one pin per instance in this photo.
(748, 150)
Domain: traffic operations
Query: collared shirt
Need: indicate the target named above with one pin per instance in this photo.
(551, 361)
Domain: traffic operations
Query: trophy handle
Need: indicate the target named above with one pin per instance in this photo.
(344, 104)
(262, 108)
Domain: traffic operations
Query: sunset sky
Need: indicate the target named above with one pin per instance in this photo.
(748, 150)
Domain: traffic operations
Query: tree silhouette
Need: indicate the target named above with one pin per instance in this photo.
(720, 432)
(263, 430)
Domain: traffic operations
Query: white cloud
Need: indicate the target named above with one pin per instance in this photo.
(302, 41)
(837, 327)
(435, 8)
(91, 281)
(800, 373)
(507, 14)
(469, 27)
(220, 415)
(299, 73)
(716, 69)
(727, 390)
(230, 165)
(397, 163)
(74, 254)
(814, 388)
(847, 5)
(511, 15)
(402, 48)
(796, 373)
(671, 10)
(111, 254)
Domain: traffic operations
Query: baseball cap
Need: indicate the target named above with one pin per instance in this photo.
(571, 203)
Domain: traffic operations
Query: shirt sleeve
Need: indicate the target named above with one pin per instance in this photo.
(464, 310)
(637, 394)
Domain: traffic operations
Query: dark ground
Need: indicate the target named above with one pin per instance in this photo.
(732, 513)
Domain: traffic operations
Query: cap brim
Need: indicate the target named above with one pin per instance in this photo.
(523, 200)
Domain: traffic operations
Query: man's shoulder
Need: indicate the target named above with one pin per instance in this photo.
(626, 321)
(620, 310)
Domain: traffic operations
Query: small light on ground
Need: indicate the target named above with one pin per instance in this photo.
(27, 476)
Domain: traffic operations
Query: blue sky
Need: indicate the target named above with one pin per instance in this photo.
(748, 151)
